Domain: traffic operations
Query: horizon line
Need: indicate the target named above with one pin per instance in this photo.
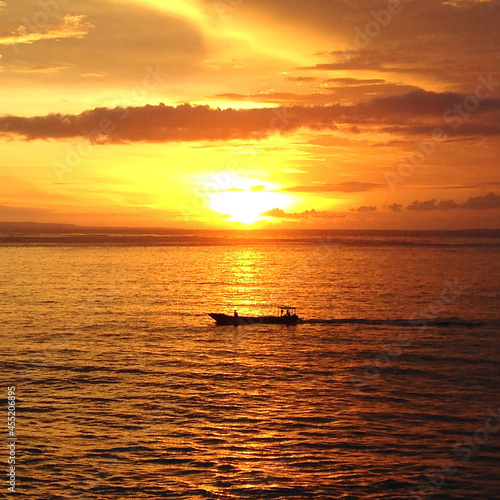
(29, 226)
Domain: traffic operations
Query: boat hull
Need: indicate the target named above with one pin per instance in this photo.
(225, 319)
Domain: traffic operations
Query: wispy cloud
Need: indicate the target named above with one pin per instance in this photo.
(72, 27)
(307, 214)
(355, 82)
(342, 187)
(41, 69)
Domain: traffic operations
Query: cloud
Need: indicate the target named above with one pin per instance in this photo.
(355, 82)
(388, 60)
(475, 185)
(94, 75)
(193, 123)
(365, 209)
(302, 79)
(156, 123)
(395, 207)
(281, 97)
(421, 103)
(41, 69)
(331, 91)
(432, 205)
(486, 202)
(308, 214)
(343, 187)
(418, 40)
(118, 41)
(350, 60)
(458, 129)
(72, 27)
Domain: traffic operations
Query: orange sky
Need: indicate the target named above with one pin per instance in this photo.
(251, 113)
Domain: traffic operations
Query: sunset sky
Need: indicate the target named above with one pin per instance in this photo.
(251, 113)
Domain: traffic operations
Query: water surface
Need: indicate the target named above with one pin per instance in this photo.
(127, 389)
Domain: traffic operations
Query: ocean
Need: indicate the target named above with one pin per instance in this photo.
(125, 388)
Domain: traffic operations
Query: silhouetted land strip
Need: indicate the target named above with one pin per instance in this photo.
(31, 233)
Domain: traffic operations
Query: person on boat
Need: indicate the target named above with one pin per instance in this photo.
(287, 313)
(235, 313)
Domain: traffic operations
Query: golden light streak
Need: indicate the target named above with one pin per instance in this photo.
(186, 9)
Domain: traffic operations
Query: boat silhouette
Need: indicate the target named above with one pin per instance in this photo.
(286, 316)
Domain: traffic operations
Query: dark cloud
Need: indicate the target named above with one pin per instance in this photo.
(192, 123)
(446, 205)
(420, 38)
(432, 205)
(455, 127)
(420, 102)
(365, 209)
(423, 205)
(355, 82)
(395, 207)
(386, 61)
(475, 185)
(486, 202)
(159, 124)
(351, 60)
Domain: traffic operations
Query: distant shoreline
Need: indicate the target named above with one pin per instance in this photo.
(39, 229)
(36, 234)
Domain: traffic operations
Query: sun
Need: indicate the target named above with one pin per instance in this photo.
(247, 205)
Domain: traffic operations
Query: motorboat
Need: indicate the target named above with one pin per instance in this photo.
(287, 315)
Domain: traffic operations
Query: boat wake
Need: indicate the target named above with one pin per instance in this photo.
(413, 323)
